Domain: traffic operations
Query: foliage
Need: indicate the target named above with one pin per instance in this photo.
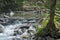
(40, 31)
(50, 29)
(8, 5)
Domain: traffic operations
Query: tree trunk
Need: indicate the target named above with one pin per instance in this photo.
(51, 26)
(52, 10)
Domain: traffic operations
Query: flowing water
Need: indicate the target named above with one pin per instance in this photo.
(9, 29)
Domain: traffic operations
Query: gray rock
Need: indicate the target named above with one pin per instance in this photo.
(1, 28)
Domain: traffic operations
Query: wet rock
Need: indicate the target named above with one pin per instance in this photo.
(1, 28)
(24, 27)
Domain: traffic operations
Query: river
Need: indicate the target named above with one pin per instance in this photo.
(12, 31)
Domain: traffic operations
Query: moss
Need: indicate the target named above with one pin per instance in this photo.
(40, 31)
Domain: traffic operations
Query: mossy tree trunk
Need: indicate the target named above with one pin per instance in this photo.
(52, 30)
(51, 26)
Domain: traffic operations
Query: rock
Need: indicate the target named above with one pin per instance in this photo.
(57, 39)
(49, 38)
(1, 28)
(46, 38)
